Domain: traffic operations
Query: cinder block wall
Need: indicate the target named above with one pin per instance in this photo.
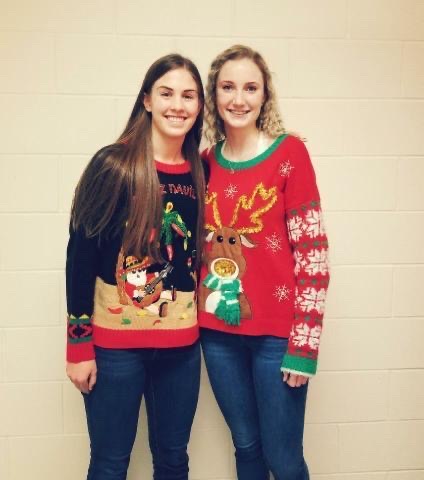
(350, 75)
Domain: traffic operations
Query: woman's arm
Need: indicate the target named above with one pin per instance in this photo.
(310, 251)
(81, 272)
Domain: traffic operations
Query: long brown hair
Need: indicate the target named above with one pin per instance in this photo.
(120, 184)
(269, 120)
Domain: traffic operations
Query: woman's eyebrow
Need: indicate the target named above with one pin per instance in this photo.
(171, 89)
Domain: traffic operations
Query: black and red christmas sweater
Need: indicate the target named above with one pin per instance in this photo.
(119, 301)
(265, 268)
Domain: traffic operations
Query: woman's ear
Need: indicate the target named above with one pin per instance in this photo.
(147, 103)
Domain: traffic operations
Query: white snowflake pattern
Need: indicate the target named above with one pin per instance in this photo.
(281, 293)
(312, 299)
(285, 169)
(313, 223)
(230, 191)
(303, 335)
(273, 242)
(294, 226)
(300, 262)
(317, 262)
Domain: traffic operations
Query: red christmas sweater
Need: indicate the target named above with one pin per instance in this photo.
(265, 269)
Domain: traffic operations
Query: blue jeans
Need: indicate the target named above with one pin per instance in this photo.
(169, 379)
(264, 414)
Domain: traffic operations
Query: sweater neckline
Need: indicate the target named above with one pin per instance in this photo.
(173, 168)
(231, 165)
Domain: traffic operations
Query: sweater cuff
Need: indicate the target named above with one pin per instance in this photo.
(80, 352)
(299, 365)
(80, 345)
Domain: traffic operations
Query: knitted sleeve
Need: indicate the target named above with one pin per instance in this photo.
(310, 251)
(81, 271)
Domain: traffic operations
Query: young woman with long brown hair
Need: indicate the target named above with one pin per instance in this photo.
(265, 273)
(131, 261)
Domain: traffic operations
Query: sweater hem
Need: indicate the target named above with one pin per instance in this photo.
(107, 338)
(248, 327)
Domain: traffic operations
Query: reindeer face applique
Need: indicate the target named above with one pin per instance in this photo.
(221, 292)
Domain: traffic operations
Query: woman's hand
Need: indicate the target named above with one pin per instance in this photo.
(294, 380)
(83, 375)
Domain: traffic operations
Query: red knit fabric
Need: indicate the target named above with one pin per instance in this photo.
(272, 205)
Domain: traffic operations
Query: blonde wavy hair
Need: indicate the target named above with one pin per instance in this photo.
(269, 120)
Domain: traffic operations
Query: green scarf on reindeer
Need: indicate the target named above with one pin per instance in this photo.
(228, 308)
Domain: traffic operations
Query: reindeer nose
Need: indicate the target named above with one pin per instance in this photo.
(224, 267)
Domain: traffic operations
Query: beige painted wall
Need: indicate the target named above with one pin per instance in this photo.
(350, 74)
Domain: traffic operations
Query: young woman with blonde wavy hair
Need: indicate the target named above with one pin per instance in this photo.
(264, 274)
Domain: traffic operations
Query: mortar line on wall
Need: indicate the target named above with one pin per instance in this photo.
(62, 402)
(289, 69)
(392, 303)
(333, 39)
(355, 265)
(60, 168)
(51, 435)
(56, 68)
(112, 95)
(402, 70)
(377, 264)
(339, 448)
(348, 25)
(115, 17)
(8, 455)
(2, 355)
(341, 156)
(233, 17)
(389, 389)
(334, 265)
(397, 187)
(362, 319)
(374, 316)
(361, 372)
(362, 422)
(35, 382)
(213, 36)
(361, 99)
(344, 211)
(30, 327)
(372, 370)
(371, 422)
(36, 270)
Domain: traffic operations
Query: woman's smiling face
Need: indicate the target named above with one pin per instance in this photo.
(240, 93)
(174, 103)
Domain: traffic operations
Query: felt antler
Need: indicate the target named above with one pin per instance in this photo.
(259, 202)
